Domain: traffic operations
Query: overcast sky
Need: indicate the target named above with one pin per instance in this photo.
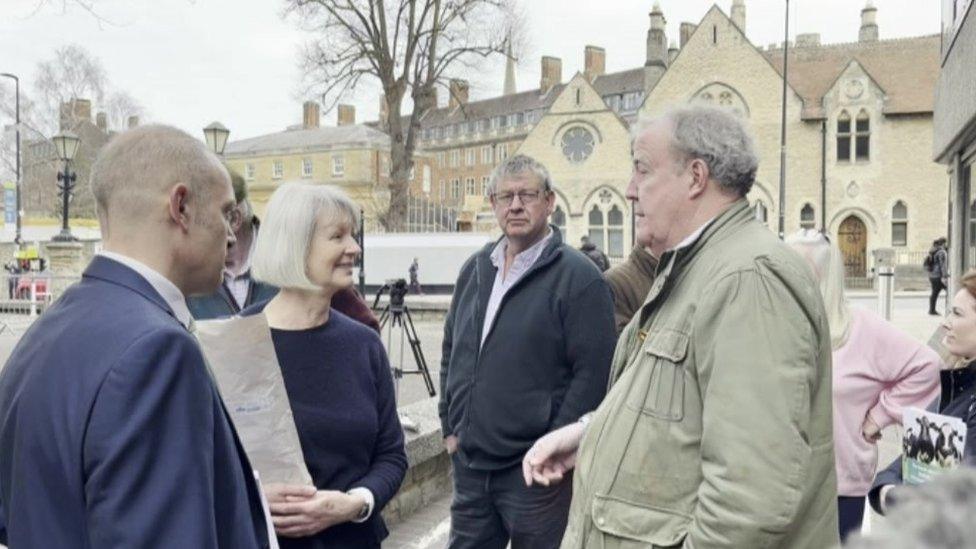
(190, 62)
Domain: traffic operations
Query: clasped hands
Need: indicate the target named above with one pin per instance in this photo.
(299, 510)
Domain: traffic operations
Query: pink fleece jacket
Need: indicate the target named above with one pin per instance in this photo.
(877, 372)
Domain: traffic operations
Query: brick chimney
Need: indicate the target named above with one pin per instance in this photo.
(594, 62)
(459, 93)
(101, 120)
(133, 122)
(73, 112)
(685, 32)
(869, 23)
(807, 40)
(552, 74)
(739, 14)
(311, 114)
(346, 115)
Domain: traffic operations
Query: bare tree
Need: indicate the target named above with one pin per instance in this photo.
(119, 107)
(71, 73)
(408, 47)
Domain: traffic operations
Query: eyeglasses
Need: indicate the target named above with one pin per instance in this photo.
(525, 197)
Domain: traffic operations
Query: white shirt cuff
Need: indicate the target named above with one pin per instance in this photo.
(370, 501)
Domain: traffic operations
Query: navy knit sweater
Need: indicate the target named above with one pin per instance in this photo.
(341, 393)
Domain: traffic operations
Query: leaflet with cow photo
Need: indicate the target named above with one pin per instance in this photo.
(931, 444)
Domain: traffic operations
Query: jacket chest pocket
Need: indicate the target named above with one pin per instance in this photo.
(663, 394)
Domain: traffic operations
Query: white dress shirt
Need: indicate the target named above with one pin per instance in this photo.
(169, 292)
(504, 282)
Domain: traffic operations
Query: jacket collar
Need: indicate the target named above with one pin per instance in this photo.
(485, 271)
(113, 272)
(671, 262)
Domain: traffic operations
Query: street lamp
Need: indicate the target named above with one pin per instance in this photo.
(17, 238)
(67, 145)
(216, 136)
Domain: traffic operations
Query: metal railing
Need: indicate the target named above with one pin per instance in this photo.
(31, 293)
(427, 216)
(910, 257)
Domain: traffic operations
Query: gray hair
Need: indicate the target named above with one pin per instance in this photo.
(516, 165)
(937, 515)
(290, 220)
(716, 137)
(828, 267)
(144, 161)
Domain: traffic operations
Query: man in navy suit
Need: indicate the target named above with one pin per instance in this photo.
(112, 432)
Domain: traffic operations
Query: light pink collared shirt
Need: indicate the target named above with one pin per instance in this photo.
(504, 282)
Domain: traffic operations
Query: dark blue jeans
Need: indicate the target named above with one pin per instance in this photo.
(491, 508)
(850, 512)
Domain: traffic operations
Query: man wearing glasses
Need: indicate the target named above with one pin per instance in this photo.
(527, 348)
(238, 290)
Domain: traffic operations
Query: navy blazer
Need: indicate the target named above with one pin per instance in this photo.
(112, 433)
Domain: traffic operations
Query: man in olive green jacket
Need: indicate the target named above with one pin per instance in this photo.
(716, 431)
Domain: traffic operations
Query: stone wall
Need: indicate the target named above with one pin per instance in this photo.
(429, 476)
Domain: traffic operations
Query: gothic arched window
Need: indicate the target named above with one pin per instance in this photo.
(899, 224)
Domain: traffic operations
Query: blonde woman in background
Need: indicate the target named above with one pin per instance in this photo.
(877, 371)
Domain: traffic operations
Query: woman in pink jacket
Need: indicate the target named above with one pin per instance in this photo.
(878, 370)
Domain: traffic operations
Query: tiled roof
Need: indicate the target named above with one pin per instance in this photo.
(608, 84)
(905, 68)
(308, 139)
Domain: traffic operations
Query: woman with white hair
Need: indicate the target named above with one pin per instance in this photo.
(335, 371)
(877, 371)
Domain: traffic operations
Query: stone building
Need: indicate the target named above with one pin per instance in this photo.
(40, 198)
(859, 124)
(352, 156)
(955, 130)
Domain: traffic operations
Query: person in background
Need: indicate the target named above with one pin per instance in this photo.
(336, 375)
(414, 280)
(240, 290)
(937, 266)
(596, 255)
(957, 395)
(877, 371)
(630, 282)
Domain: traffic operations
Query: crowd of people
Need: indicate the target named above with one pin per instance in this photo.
(703, 393)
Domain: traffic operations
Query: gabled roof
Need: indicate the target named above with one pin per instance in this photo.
(620, 82)
(905, 68)
(300, 140)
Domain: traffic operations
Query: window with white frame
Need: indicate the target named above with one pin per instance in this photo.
(808, 219)
(249, 172)
(486, 155)
(862, 136)
(455, 188)
(455, 158)
(338, 165)
(606, 227)
(306, 167)
(277, 169)
(471, 156)
(425, 185)
(597, 227)
(469, 186)
(484, 185)
(502, 151)
(844, 137)
(899, 224)
(440, 160)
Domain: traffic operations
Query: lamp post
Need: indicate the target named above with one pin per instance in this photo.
(782, 142)
(216, 135)
(67, 145)
(17, 239)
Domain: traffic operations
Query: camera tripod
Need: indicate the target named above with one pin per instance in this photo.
(396, 313)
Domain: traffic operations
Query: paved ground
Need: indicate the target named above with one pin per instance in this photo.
(428, 529)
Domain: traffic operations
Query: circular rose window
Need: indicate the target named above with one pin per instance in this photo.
(577, 144)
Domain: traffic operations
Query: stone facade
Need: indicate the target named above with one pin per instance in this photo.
(590, 176)
(894, 191)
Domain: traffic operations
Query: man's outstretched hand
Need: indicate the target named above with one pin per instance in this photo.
(553, 455)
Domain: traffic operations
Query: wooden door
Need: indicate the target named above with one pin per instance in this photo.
(853, 242)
